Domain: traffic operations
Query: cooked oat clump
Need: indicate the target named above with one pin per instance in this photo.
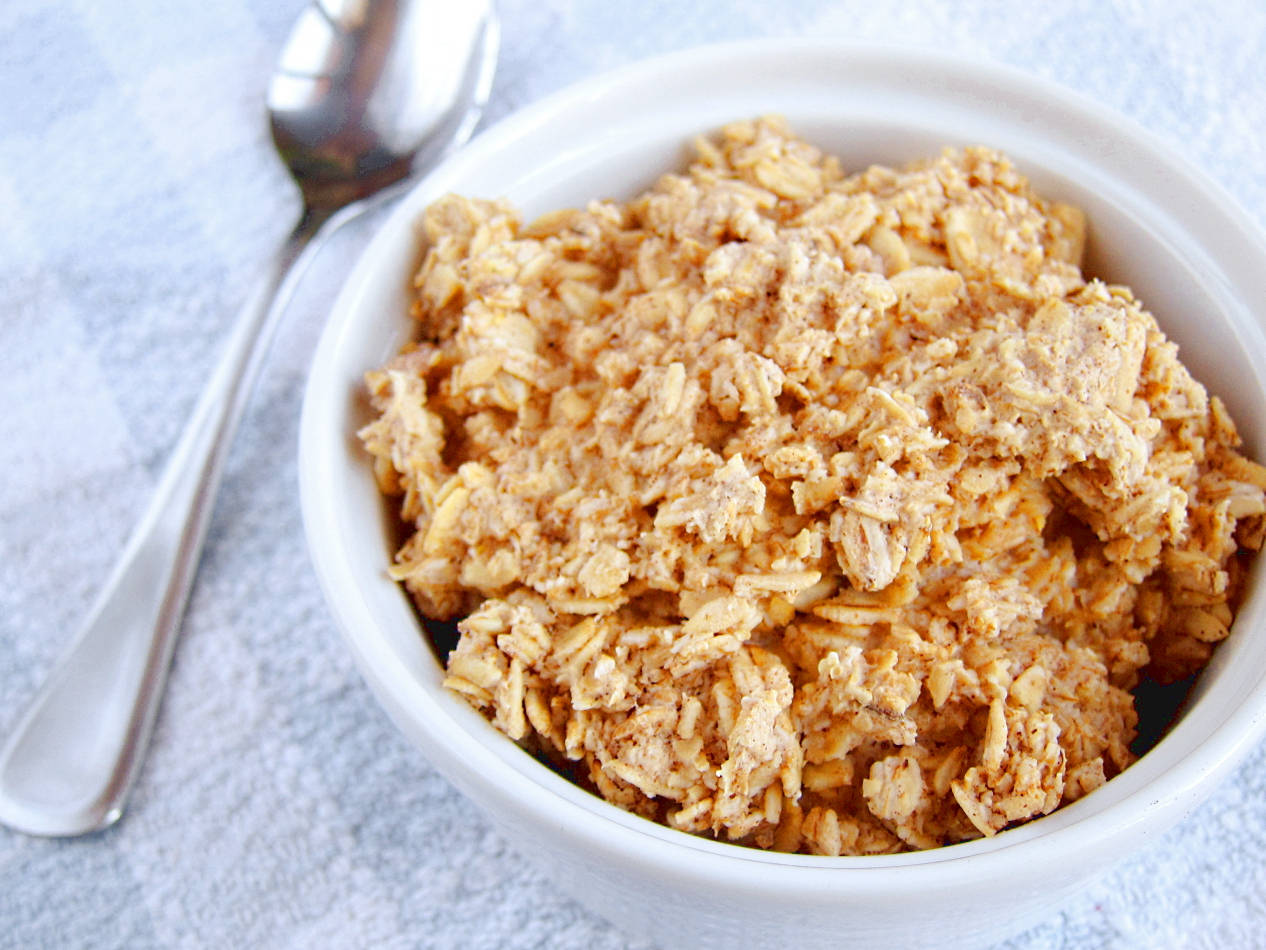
(820, 512)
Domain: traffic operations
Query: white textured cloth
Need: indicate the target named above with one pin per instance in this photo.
(139, 197)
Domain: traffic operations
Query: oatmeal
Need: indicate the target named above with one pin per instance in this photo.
(825, 512)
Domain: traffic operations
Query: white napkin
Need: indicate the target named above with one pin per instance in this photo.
(139, 199)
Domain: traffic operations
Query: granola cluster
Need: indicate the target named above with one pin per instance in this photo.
(820, 512)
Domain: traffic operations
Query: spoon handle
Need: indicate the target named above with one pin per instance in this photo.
(69, 765)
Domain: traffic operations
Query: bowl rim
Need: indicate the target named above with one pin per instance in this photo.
(529, 789)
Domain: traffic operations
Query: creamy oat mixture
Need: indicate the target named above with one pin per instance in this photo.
(820, 512)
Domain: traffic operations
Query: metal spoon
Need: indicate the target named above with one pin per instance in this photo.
(366, 92)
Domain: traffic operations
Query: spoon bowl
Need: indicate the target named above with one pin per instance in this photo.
(354, 110)
(366, 94)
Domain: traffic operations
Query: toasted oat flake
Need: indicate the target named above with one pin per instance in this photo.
(826, 512)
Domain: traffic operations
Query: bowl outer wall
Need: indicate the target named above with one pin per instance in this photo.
(879, 104)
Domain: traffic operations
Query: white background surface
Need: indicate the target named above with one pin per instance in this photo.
(138, 199)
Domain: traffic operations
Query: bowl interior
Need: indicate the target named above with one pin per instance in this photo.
(1155, 224)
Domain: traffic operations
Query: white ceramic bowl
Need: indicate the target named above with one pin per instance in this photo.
(1156, 223)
